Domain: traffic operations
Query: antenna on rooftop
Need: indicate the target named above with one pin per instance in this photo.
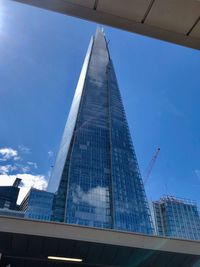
(17, 182)
(167, 190)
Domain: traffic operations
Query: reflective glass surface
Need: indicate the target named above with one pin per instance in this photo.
(177, 218)
(130, 207)
(38, 205)
(100, 184)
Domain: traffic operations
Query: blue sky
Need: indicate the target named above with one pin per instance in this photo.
(41, 57)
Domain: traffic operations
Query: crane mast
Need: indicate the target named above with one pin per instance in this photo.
(150, 166)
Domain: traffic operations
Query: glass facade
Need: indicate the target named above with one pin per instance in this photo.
(37, 205)
(176, 218)
(98, 183)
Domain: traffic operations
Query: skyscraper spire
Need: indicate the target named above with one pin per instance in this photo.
(96, 176)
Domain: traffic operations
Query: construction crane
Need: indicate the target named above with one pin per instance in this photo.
(150, 166)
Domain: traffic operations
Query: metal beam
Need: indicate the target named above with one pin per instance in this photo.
(27, 243)
(104, 236)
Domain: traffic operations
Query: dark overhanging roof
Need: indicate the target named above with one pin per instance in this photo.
(28, 243)
(176, 21)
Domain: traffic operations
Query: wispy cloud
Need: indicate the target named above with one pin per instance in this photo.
(20, 167)
(50, 153)
(14, 161)
(174, 109)
(7, 168)
(24, 149)
(8, 153)
(96, 196)
(4, 169)
(33, 164)
(197, 172)
(25, 168)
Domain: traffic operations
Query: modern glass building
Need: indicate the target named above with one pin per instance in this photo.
(96, 178)
(12, 213)
(37, 205)
(176, 218)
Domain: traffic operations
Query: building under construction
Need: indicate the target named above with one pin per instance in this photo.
(176, 217)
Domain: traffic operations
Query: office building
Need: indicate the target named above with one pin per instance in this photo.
(96, 176)
(9, 195)
(176, 217)
(12, 213)
(37, 205)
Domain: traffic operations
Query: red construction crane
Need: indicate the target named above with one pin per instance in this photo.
(150, 166)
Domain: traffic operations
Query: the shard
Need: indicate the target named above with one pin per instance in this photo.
(96, 179)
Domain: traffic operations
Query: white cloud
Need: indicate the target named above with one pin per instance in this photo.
(33, 164)
(4, 169)
(24, 149)
(28, 181)
(197, 172)
(17, 158)
(50, 153)
(95, 197)
(25, 169)
(22, 167)
(18, 163)
(7, 153)
(7, 168)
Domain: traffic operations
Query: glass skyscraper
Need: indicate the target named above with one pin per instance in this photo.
(176, 217)
(96, 179)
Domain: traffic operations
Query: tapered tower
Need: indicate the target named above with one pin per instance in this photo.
(96, 176)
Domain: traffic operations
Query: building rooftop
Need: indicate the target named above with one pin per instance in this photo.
(175, 200)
